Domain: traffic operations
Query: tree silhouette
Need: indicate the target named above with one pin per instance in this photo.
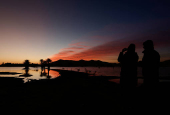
(48, 60)
(26, 63)
(42, 64)
(41, 60)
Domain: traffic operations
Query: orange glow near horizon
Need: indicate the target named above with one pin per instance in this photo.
(74, 30)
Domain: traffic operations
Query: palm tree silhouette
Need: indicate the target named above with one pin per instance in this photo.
(41, 60)
(26, 63)
(48, 62)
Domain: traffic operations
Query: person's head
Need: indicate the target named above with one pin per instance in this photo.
(148, 45)
(131, 48)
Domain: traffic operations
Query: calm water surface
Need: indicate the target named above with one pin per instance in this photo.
(102, 71)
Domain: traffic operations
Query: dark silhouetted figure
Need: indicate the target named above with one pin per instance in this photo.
(128, 75)
(128, 61)
(150, 71)
(150, 64)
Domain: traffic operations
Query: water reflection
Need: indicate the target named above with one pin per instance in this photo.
(38, 75)
(31, 73)
(43, 73)
(26, 74)
(54, 74)
(27, 64)
(50, 74)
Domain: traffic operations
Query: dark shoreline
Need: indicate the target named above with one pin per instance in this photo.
(75, 92)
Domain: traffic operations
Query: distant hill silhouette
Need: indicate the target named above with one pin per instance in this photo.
(82, 63)
(165, 63)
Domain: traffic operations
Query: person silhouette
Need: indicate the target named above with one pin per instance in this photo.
(128, 75)
(150, 64)
(128, 61)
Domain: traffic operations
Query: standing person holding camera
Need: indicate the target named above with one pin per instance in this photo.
(128, 59)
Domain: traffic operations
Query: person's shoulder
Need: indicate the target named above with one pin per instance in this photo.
(156, 52)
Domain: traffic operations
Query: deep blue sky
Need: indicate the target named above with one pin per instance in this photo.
(66, 29)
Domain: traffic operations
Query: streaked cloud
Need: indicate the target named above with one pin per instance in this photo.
(110, 50)
(73, 48)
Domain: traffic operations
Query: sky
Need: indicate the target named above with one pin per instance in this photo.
(81, 29)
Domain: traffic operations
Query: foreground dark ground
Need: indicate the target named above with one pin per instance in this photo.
(78, 94)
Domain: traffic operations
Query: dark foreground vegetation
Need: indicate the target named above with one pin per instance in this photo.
(78, 93)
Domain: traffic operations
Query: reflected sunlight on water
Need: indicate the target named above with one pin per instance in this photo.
(36, 74)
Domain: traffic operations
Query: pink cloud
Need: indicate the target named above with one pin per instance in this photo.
(110, 50)
(96, 53)
(62, 54)
(66, 52)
